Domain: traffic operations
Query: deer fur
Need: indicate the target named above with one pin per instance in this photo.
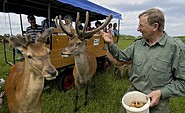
(85, 62)
(25, 80)
(118, 65)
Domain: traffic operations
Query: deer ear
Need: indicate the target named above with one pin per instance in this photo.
(16, 43)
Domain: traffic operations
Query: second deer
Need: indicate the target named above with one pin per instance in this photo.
(118, 65)
(85, 61)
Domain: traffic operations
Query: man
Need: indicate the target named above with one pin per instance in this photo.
(98, 24)
(158, 68)
(68, 22)
(33, 29)
(46, 24)
(115, 30)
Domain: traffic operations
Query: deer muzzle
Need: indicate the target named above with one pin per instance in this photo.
(51, 73)
(65, 54)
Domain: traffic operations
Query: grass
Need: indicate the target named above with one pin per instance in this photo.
(105, 97)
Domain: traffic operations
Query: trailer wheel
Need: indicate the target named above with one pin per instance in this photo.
(106, 65)
(66, 80)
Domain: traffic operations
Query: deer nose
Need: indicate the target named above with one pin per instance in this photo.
(52, 72)
(63, 51)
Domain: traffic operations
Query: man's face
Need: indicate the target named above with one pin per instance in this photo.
(115, 25)
(97, 25)
(67, 22)
(32, 22)
(144, 27)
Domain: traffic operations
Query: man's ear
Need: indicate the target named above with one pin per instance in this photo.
(156, 26)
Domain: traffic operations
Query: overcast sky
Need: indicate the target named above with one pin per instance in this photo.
(130, 9)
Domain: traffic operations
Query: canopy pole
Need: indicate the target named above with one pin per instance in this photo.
(5, 5)
(49, 13)
(21, 24)
(118, 30)
(118, 26)
(49, 19)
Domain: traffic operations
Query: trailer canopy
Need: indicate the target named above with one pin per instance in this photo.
(57, 7)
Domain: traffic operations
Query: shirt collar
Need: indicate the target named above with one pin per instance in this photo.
(162, 41)
(35, 26)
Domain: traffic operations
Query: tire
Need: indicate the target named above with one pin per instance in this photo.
(66, 80)
(106, 65)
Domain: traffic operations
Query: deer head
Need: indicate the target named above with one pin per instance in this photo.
(77, 42)
(36, 55)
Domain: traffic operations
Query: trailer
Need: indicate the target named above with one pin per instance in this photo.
(58, 40)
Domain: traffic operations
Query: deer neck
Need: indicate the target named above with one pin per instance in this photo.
(34, 83)
(81, 60)
(82, 63)
(32, 86)
(35, 78)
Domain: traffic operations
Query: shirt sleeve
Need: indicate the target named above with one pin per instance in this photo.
(177, 86)
(121, 55)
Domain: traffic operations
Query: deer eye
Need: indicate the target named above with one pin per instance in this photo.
(29, 56)
(79, 43)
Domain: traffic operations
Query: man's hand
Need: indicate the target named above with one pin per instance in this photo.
(154, 97)
(107, 37)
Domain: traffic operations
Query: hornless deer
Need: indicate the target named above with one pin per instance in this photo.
(25, 81)
(85, 62)
(118, 65)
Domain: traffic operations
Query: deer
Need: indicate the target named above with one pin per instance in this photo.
(85, 62)
(25, 80)
(119, 66)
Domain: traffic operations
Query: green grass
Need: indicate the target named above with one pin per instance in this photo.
(123, 43)
(105, 97)
(3, 65)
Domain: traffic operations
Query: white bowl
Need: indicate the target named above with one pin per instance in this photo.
(129, 97)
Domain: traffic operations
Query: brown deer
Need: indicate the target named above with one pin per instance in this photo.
(25, 81)
(118, 65)
(85, 61)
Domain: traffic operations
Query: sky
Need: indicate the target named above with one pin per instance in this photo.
(130, 9)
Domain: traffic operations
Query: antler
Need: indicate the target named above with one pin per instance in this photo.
(88, 34)
(76, 25)
(81, 34)
(42, 37)
(91, 33)
(24, 41)
(61, 25)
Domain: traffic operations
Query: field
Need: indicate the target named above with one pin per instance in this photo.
(105, 97)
